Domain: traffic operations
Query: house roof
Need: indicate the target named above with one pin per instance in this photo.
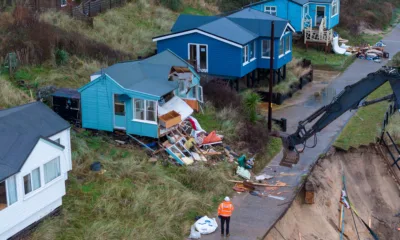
(20, 129)
(149, 76)
(237, 28)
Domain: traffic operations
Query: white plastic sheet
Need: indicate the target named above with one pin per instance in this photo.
(194, 234)
(206, 225)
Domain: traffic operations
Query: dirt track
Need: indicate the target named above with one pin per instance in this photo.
(373, 192)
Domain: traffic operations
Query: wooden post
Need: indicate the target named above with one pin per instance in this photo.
(90, 8)
(253, 74)
(110, 4)
(237, 84)
(284, 72)
(279, 75)
(247, 80)
(271, 67)
(258, 76)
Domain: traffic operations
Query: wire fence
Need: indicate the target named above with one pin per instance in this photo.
(89, 9)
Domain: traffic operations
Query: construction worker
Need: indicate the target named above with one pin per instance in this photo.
(225, 211)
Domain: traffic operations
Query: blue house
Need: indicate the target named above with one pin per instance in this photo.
(302, 13)
(231, 46)
(133, 96)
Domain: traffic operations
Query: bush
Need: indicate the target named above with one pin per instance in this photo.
(61, 57)
(220, 94)
(251, 100)
(174, 5)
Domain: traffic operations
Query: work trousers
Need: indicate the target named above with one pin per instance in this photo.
(223, 221)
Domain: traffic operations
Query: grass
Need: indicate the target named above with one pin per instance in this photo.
(132, 199)
(321, 60)
(362, 127)
(360, 39)
(74, 74)
(10, 95)
(129, 28)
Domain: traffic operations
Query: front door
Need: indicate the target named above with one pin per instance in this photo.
(198, 55)
(320, 14)
(119, 113)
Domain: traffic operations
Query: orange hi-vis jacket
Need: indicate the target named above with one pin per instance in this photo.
(225, 209)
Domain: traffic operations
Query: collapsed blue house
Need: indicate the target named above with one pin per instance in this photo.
(231, 46)
(145, 98)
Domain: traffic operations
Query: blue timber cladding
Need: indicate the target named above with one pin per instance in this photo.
(98, 107)
(294, 11)
(223, 59)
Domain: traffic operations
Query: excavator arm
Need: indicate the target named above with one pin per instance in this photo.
(350, 98)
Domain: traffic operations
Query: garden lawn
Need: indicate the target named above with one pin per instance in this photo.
(363, 127)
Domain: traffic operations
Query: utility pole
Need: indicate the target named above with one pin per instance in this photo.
(271, 75)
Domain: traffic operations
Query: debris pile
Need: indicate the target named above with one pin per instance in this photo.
(373, 53)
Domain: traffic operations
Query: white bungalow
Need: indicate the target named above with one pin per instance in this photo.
(35, 157)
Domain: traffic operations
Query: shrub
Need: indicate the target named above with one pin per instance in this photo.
(220, 94)
(251, 100)
(61, 57)
(174, 5)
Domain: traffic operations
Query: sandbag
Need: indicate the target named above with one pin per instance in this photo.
(206, 225)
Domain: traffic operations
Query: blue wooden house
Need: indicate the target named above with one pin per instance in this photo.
(300, 13)
(133, 95)
(230, 46)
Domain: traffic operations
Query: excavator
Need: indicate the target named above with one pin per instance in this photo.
(351, 98)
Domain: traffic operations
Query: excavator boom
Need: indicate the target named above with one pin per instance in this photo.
(350, 98)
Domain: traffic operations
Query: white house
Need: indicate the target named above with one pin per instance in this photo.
(35, 157)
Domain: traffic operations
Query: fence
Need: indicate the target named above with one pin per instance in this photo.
(88, 9)
(389, 112)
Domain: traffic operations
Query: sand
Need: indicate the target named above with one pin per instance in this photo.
(373, 192)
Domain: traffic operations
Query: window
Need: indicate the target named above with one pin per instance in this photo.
(270, 10)
(253, 50)
(119, 106)
(151, 111)
(8, 192)
(139, 109)
(335, 9)
(281, 47)
(246, 54)
(181, 87)
(145, 110)
(287, 44)
(63, 3)
(32, 181)
(266, 48)
(52, 170)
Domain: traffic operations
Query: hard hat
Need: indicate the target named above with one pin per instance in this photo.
(227, 199)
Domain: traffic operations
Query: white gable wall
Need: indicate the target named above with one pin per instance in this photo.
(40, 202)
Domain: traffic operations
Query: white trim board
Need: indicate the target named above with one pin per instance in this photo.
(199, 32)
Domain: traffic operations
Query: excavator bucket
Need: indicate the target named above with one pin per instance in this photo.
(290, 155)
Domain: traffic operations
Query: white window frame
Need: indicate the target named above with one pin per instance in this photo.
(281, 45)
(262, 48)
(7, 191)
(335, 2)
(199, 92)
(44, 172)
(198, 56)
(272, 9)
(245, 55)
(145, 111)
(287, 39)
(31, 181)
(254, 51)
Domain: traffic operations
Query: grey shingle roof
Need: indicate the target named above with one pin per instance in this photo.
(20, 129)
(148, 76)
(239, 27)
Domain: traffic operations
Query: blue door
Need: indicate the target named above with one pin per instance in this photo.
(119, 113)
